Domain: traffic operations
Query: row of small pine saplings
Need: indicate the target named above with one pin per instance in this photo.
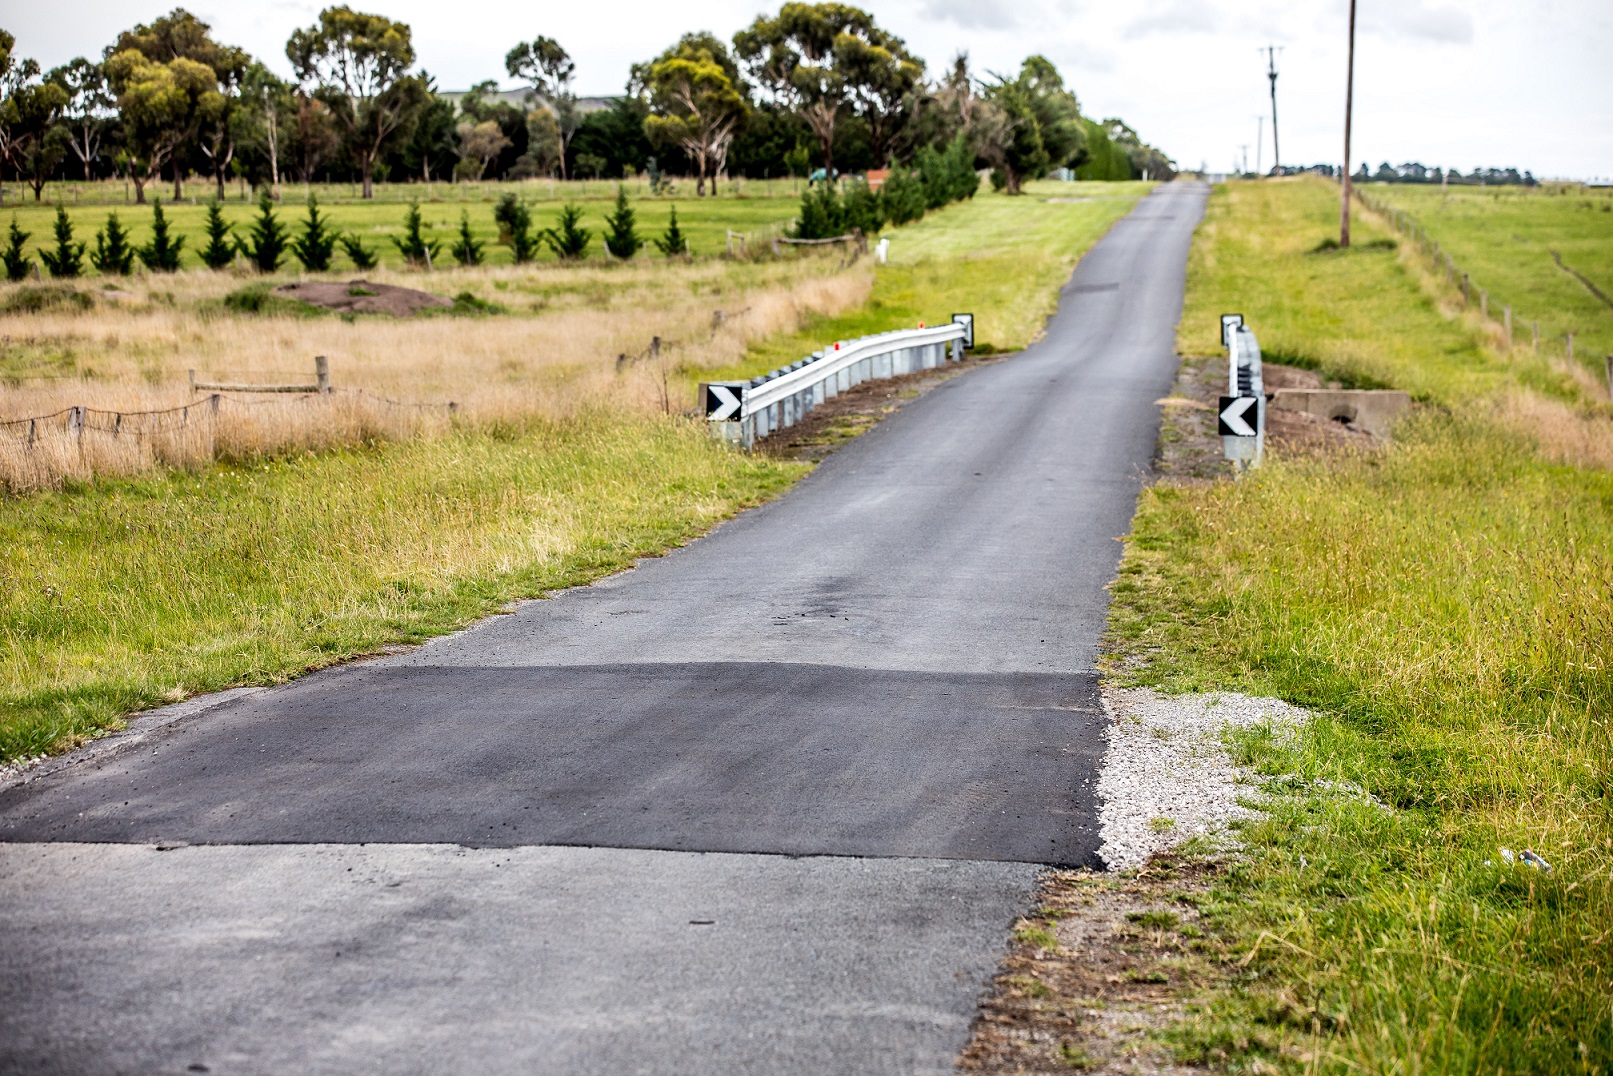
(268, 241)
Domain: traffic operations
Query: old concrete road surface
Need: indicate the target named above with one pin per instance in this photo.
(768, 804)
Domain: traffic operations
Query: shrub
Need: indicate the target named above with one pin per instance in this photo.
(903, 197)
(113, 255)
(621, 237)
(67, 260)
(567, 240)
(948, 175)
(467, 249)
(261, 299)
(469, 303)
(862, 209)
(673, 242)
(266, 242)
(363, 257)
(17, 261)
(414, 246)
(161, 255)
(515, 227)
(317, 244)
(825, 214)
(35, 300)
(221, 243)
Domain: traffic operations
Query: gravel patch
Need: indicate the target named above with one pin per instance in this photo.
(1166, 775)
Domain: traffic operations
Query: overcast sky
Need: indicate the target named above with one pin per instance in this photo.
(1527, 84)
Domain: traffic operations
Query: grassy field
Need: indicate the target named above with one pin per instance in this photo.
(1445, 606)
(1002, 259)
(117, 594)
(1505, 238)
(761, 208)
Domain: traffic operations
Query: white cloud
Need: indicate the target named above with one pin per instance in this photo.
(975, 14)
(1416, 21)
(1175, 17)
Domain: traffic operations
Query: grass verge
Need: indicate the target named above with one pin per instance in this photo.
(1446, 607)
(129, 593)
(1001, 258)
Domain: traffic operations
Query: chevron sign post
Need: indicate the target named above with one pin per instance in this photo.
(1241, 417)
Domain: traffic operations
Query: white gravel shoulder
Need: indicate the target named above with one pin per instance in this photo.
(1166, 774)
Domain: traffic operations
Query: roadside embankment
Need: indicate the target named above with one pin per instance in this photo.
(1444, 607)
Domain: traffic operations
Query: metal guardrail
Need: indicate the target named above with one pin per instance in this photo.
(745, 411)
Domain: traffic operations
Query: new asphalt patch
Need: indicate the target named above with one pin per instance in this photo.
(723, 756)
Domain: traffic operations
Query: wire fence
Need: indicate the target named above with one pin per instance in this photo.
(83, 443)
(80, 420)
(1471, 292)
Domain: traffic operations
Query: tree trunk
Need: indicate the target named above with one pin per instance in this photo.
(274, 156)
(179, 179)
(139, 188)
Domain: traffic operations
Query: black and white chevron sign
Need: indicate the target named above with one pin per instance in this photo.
(724, 400)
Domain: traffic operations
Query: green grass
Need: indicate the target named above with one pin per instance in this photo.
(1001, 258)
(122, 595)
(1504, 237)
(1445, 607)
(705, 221)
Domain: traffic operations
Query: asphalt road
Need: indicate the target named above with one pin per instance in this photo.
(767, 804)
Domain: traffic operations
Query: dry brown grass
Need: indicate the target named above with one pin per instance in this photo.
(556, 349)
(1577, 436)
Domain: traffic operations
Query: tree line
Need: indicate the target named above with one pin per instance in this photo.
(1414, 172)
(815, 89)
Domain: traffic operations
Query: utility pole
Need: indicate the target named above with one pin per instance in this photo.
(1271, 73)
(1349, 102)
(1243, 156)
(1260, 143)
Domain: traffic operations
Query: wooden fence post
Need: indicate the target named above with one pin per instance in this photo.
(322, 374)
(1610, 377)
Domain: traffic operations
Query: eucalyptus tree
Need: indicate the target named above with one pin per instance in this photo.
(548, 69)
(268, 106)
(208, 118)
(33, 139)
(826, 60)
(694, 105)
(89, 110)
(159, 104)
(360, 64)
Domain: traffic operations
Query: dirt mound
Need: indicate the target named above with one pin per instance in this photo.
(362, 297)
